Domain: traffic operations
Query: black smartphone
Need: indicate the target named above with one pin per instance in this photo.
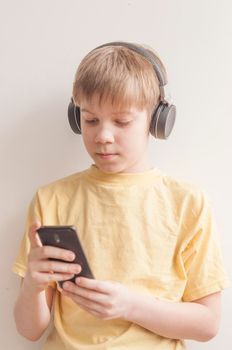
(66, 237)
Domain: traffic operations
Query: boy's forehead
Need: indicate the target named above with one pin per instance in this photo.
(95, 104)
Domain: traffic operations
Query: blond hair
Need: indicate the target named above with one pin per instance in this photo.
(119, 75)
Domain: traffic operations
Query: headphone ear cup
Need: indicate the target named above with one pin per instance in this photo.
(163, 120)
(74, 117)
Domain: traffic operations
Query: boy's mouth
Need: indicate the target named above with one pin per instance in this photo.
(106, 155)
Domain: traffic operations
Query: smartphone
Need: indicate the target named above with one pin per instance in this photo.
(66, 237)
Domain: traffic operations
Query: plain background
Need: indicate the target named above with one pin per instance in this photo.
(42, 43)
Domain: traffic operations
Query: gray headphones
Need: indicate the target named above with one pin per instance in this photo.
(163, 117)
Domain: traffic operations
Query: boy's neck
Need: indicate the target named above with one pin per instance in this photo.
(138, 168)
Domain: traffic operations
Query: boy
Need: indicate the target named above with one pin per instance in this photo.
(149, 238)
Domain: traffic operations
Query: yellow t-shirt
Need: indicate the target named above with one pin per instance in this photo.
(146, 230)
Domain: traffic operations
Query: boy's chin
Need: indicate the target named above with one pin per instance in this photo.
(108, 169)
(111, 168)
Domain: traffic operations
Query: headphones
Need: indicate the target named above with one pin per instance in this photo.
(164, 115)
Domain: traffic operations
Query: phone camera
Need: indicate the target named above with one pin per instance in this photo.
(57, 238)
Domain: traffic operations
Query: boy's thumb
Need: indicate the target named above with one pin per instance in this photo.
(33, 235)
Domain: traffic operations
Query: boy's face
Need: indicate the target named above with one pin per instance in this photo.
(115, 139)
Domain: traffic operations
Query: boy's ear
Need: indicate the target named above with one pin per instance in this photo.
(163, 120)
(74, 117)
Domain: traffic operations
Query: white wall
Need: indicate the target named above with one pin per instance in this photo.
(41, 44)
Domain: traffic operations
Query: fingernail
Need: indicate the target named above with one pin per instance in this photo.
(71, 257)
(77, 270)
(66, 284)
(77, 280)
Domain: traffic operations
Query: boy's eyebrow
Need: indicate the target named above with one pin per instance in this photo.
(123, 112)
(119, 112)
(86, 110)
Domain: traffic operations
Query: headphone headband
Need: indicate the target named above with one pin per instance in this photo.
(141, 51)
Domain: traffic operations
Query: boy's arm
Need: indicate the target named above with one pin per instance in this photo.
(32, 310)
(198, 320)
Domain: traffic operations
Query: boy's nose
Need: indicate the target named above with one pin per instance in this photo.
(104, 135)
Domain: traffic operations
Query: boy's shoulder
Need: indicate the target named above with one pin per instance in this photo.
(177, 183)
(183, 190)
(64, 183)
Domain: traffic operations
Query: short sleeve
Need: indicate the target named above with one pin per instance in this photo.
(34, 213)
(202, 258)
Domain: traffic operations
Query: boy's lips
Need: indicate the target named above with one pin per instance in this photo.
(106, 155)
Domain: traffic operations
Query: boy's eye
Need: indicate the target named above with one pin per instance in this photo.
(123, 123)
(117, 122)
(91, 121)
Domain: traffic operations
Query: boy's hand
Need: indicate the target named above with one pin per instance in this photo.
(40, 269)
(103, 299)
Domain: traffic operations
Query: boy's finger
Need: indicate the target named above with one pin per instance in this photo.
(33, 235)
(55, 253)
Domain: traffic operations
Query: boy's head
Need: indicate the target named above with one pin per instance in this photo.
(115, 93)
(118, 75)
(124, 74)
